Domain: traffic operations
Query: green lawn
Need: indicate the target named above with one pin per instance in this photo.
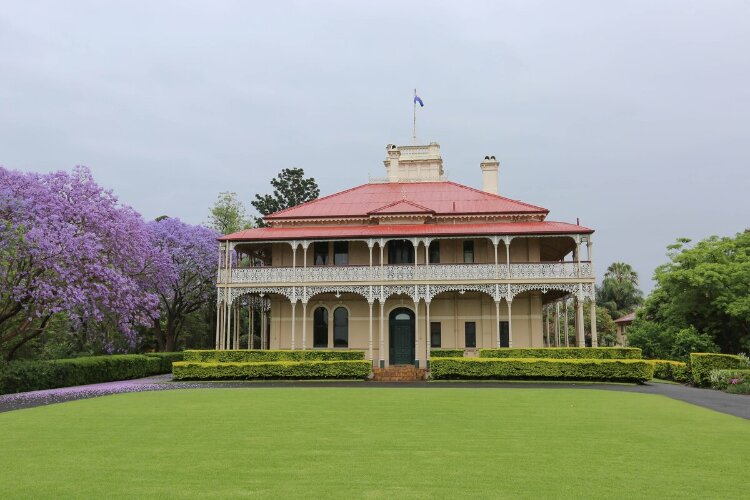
(374, 443)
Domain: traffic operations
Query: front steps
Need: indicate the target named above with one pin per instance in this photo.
(398, 373)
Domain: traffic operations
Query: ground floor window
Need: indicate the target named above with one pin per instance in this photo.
(320, 327)
(341, 327)
(504, 334)
(470, 334)
(435, 340)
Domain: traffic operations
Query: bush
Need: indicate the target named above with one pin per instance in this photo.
(671, 370)
(701, 365)
(446, 353)
(631, 370)
(736, 381)
(257, 355)
(22, 376)
(564, 353)
(296, 370)
(166, 359)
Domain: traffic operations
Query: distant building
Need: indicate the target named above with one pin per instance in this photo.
(622, 324)
(404, 264)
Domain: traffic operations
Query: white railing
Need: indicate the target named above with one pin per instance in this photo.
(422, 273)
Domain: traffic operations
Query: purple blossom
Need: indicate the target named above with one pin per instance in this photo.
(68, 245)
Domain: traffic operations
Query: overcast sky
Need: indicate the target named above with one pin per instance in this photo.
(634, 116)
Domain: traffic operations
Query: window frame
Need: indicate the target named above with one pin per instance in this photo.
(436, 332)
(345, 344)
(336, 253)
(317, 245)
(470, 331)
(318, 345)
(468, 247)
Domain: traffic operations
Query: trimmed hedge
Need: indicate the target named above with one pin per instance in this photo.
(22, 376)
(258, 355)
(631, 370)
(671, 370)
(564, 353)
(446, 353)
(166, 359)
(295, 370)
(702, 363)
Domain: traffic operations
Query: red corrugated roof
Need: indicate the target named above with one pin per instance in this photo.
(405, 230)
(628, 318)
(402, 207)
(443, 198)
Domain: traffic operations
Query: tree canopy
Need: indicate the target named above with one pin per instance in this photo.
(701, 301)
(619, 292)
(228, 214)
(290, 188)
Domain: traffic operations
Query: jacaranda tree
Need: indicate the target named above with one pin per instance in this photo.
(68, 246)
(193, 254)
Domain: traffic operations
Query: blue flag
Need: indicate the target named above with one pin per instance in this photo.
(418, 99)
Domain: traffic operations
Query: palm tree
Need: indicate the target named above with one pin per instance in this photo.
(622, 273)
(619, 292)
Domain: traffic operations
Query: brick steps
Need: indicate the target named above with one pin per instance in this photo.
(398, 373)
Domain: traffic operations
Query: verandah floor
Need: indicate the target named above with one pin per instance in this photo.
(350, 442)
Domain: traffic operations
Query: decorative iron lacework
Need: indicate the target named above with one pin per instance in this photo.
(434, 272)
(435, 290)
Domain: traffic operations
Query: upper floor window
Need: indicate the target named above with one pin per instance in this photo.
(320, 327)
(470, 333)
(468, 252)
(321, 253)
(434, 252)
(341, 253)
(400, 252)
(341, 327)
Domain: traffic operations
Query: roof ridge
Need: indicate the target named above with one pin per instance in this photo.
(497, 196)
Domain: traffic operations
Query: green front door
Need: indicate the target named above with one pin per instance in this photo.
(401, 337)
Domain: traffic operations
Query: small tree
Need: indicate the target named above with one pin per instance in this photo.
(290, 188)
(228, 214)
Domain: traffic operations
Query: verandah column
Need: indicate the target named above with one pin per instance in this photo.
(427, 336)
(416, 333)
(545, 313)
(580, 336)
(251, 326)
(304, 325)
(381, 352)
(294, 307)
(594, 336)
(497, 323)
(369, 341)
(510, 323)
(236, 341)
(567, 337)
(557, 323)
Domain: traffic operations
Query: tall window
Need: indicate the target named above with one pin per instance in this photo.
(468, 252)
(341, 327)
(341, 253)
(400, 252)
(435, 334)
(434, 252)
(321, 253)
(470, 333)
(320, 327)
(504, 334)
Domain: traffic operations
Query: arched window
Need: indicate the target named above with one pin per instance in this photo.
(341, 327)
(320, 327)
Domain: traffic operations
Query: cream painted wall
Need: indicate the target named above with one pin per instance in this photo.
(451, 309)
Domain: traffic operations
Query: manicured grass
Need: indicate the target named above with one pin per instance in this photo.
(374, 443)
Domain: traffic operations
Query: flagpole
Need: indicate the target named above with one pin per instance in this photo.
(414, 126)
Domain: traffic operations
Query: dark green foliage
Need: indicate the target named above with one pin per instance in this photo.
(671, 370)
(701, 365)
(22, 376)
(290, 188)
(630, 370)
(294, 370)
(246, 356)
(166, 359)
(704, 287)
(564, 353)
(446, 353)
(619, 292)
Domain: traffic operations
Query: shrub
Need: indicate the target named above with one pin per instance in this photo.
(296, 370)
(542, 368)
(22, 376)
(166, 359)
(671, 370)
(564, 353)
(736, 380)
(256, 355)
(701, 365)
(446, 353)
